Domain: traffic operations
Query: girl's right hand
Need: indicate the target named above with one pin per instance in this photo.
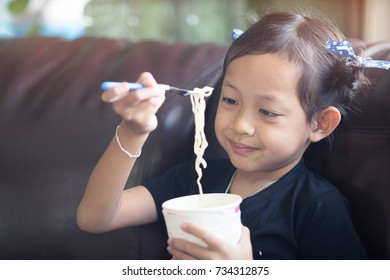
(137, 108)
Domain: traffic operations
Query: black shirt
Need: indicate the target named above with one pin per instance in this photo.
(301, 216)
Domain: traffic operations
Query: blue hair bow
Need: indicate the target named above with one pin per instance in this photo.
(236, 33)
(344, 48)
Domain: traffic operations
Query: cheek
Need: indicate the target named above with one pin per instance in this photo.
(217, 123)
(291, 132)
(221, 122)
(293, 137)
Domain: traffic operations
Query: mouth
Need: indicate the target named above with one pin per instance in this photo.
(241, 149)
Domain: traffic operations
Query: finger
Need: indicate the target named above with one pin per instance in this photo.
(183, 249)
(211, 240)
(147, 79)
(145, 94)
(148, 100)
(245, 231)
(143, 102)
(115, 94)
(119, 92)
(245, 244)
(178, 248)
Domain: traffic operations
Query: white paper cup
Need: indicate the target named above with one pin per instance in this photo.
(218, 213)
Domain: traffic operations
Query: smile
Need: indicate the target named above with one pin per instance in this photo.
(241, 149)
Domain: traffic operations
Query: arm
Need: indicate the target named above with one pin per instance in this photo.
(105, 205)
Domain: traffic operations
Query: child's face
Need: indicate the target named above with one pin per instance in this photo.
(260, 121)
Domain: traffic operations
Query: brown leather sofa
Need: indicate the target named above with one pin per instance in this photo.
(54, 128)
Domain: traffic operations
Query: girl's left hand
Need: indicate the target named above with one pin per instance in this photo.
(216, 249)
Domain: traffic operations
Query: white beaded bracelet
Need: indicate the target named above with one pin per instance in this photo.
(121, 147)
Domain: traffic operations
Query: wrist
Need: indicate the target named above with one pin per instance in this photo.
(129, 143)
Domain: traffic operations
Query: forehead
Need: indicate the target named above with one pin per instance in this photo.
(272, 70)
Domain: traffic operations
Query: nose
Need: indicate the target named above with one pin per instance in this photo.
(244, 123)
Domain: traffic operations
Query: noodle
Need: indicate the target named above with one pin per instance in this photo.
(200, 143)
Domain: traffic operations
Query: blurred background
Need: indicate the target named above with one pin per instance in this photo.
(179, 20)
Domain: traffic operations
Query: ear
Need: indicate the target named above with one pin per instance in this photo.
(325, 123)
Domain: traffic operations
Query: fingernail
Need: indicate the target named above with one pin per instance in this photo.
(184, 225)
(124, 86)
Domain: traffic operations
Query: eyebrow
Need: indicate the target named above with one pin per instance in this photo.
(264, 97)
(227, 84)
(267, 98)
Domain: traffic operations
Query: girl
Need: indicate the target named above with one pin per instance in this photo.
(282, 90)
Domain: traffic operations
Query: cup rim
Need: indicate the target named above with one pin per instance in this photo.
(167, 208)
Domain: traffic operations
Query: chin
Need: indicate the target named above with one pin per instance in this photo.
(242, 163)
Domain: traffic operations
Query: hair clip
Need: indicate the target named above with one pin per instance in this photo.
(236, 33)
(344, 48)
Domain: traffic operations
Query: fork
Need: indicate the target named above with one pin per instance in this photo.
(134, 86)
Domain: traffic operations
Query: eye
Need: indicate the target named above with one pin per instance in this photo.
(268, 113)
(229, 101)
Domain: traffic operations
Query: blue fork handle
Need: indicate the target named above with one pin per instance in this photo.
(130, 86)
